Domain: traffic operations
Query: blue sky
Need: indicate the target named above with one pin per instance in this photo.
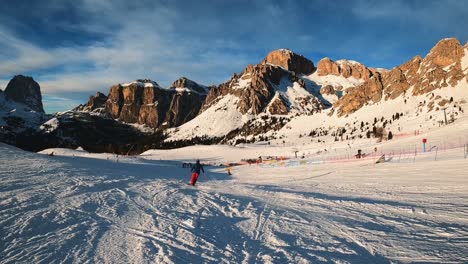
(74, 48)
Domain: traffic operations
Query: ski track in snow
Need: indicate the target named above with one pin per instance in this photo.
(66, 209)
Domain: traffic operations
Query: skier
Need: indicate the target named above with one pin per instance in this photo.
(196, 168)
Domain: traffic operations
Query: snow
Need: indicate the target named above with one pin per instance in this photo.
(12, 109)
(243, 82)
(141, 127)
(216, 121)
(188, 90)
(416, 118)
(81, 207)
(334, 80)
(381, 70)
(148, 83)
(351, 62)
(184, 89)
(293, 93)
(50, 125)
(142, 84)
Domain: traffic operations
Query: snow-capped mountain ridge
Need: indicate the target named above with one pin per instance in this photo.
(347, 86)
(265, 98)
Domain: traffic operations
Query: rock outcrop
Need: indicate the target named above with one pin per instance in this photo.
(189, 85)
(345, 68)
(442, 67)
(356, 97)
(278, 106)
(263, 78)
(290, 61)
(132, 101)
(328, 90)
(326, 67)
(95, 103)
(145, 102)
(151, 107)
(24, 89)
(114, 101)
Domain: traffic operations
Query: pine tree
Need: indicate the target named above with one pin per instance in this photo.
(390, 135)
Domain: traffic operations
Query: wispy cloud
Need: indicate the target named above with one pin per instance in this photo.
(88, 45)
(53, 104)
(144, 45)
(427, 16)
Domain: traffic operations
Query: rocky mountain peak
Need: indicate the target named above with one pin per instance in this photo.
(145, 102)
(97, 101)
(142, 83)
(345, 68)
(442, 67)
(290, 61)
(185, 83)
(24, 89)
(445, 52)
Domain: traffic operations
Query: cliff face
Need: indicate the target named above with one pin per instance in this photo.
(343, 68)
(145, 102)
(356, 97)
(290, 61)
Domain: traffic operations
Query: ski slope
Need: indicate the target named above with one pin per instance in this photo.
(77, 207)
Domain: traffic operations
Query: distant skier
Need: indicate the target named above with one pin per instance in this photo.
(196, 168)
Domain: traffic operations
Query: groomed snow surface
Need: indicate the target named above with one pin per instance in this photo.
(77, 207)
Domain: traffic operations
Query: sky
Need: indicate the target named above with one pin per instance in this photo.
(74, 48)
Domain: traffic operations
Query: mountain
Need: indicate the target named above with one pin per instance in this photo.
(145, 102)
(284, 98)
(441, 68)
(21, 105)
(23, 123)
(260, 93)
(260, 102)
(24, 89)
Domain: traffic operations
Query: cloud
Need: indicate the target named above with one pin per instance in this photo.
(426, 15)
(140, 41)
(89, 45)
(53, 104)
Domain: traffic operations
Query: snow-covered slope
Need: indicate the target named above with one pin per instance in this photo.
(334, 80)
(18, 116)
(217, 121)
(78, 207)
